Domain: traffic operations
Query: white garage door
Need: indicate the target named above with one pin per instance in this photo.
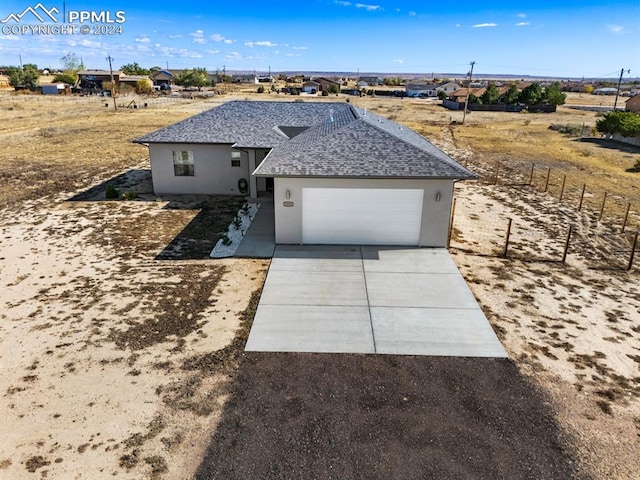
(366, 216)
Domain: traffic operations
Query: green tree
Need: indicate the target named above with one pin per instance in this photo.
(71, 62)
(474, 99)
(260, 89)
(531, 95)
(71, 65)
(491, 95)
(196, 77)
(15, 76)
(511, 96)
(134, 69)
(335, 89)
(442, 95)
(143, 86)
(553, 95)
(626, 124)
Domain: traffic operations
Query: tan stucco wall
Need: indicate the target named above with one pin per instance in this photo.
(213, 173)
(435, 215)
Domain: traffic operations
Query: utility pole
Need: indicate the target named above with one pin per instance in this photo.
(466, 102)
(224, 79)
(113, 90)
(615, 103)
(20, 56)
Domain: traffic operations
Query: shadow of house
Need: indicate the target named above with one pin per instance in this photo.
(611, 144)
(137, 181)
(200, 235)
(196, 240)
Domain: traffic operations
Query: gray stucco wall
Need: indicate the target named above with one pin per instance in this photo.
(213, 173)
(435, 214)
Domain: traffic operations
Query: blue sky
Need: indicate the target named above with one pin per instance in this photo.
(541, 38)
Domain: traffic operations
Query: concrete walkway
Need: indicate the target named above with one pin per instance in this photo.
(352, 299)
(260, 239)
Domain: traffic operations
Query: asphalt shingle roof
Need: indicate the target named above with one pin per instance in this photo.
(316, 139)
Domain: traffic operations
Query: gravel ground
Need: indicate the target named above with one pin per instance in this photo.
(379, 417)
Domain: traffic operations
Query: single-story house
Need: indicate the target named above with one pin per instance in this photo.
(132, 80)
(162, 77)
(448, 87)
(337, 174)
(370, 81)
(421, 90)
(633, 104)
(311, 87)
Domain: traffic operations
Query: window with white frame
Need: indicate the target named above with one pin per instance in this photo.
(235, 158)
(183, 165)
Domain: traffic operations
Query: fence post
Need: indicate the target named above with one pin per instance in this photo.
(533, 165)
(564, 180)
(453, 214)
(506, 239)
(497, 173)
(566, 244)
(546, 183)
(633, 251)
(584, 186)
(626, 217)
(604, 200)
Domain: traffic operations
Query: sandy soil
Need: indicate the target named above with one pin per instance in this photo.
(102, 346)
(119, 344)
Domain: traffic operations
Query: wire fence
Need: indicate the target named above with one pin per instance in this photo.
(536, 213)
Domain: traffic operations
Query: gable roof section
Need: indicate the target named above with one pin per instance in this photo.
(245, 124)
(365, 145)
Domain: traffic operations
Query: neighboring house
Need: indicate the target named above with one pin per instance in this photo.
(605, 91)
(448, 87)
(245, 78)
(132, 80)
(633, 104)
(162, 77)
(311, 87)
(421, 90)
(93, 79)
(339, 175)
(326, 84)
(370, 81)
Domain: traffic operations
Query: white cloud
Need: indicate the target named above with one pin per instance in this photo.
(412, 14)
(299, 48)
(522, 15)
(485, 25)
(369, 8)
(458, 25)
(264, 43)
(142, 39)
(198, 37)
(522, 24)
(212, 52)
(233, 56)
(616, 28)
(216, 37)
(343, 4)
(399, 61)
(9, 37)
(175, 36)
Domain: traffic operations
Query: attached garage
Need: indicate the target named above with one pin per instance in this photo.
(361, 216)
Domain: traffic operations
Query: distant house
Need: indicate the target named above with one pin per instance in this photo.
(132, 80)
(448, 87)
(311, 87)
(327, 84)
(421, 90)
(245, 78)
(162, 77)
(93, 79)
(370, 81)
(633, 104)
(605, 91)
(53, 89)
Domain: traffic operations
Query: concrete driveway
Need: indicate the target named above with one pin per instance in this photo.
(362, 299)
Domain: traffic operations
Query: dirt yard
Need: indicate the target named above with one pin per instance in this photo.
(120, 341)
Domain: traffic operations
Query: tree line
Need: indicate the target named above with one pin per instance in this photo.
(532, 94)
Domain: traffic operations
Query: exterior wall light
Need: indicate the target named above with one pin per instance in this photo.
(438, 197)
(287, 194)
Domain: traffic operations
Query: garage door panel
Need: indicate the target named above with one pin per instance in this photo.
(361, 216)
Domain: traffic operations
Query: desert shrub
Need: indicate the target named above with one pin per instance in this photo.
(570, 129)
(260, 89)
(129, 195)
(111, 191)
(325, 93)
